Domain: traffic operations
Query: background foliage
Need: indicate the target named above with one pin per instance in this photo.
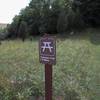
(50, 16)
(89, 10)
(55, 16)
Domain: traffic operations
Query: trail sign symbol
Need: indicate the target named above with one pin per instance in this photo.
(47, 46)
(47, 50)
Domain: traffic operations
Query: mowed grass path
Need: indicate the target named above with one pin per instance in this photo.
(77, 68)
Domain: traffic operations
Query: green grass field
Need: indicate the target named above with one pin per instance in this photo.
(76, 74)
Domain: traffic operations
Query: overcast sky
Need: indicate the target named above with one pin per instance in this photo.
(9, 8)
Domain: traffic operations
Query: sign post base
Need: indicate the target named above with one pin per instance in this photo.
(48, 82)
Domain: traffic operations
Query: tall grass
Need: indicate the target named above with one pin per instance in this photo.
(76, 76)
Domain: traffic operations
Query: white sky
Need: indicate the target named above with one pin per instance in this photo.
(10, 8)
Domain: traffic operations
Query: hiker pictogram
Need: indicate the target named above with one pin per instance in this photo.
(46, 45)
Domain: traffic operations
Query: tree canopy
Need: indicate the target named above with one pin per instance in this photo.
(55, 16)
(89, 9)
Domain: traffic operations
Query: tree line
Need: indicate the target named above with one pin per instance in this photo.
(54, 16)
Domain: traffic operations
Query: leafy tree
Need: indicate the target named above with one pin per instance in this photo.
(40, 16)
(89, 9)
(44, 16)
(22, 32)
(69, 20)
(49, 17)
(13, 27)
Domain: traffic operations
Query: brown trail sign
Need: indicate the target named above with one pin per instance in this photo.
(47, 52)
(47, 56)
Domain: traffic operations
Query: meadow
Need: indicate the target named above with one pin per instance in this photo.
(76, 75)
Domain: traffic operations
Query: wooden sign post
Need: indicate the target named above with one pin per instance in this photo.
(47, 56)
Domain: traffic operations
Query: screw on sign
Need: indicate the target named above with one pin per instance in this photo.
(47, 56)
